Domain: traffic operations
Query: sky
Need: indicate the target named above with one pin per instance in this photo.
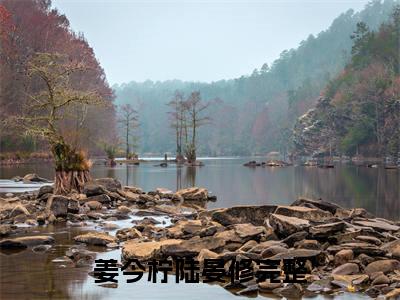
(195, 40)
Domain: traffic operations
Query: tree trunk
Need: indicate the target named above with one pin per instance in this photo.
(69, 181)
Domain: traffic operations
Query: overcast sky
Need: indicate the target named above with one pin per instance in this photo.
(195, 40)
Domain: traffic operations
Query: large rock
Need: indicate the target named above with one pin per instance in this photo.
(301, 212)
(28, 178)
(284, 225)
(385, 266)
(93, 189)
(193, 193)
(346, 269)
(393, 248)
(358, 248)
(248, 231)
(326, 230)
(95, 238)
(26, 241)
(110, 184)
(327, 206)
(145, 250)
(253, 214)
(45, 189)
(103, 198)
(58, 205)
(184, 228)
(377, 224)
(343, 256)
(128, 234)
(192, 247)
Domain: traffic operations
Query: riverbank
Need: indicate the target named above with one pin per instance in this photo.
(348, 250)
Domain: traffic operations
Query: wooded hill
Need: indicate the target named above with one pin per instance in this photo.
(255, 113)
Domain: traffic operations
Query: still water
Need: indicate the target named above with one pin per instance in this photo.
(29, 275)
(375, 189)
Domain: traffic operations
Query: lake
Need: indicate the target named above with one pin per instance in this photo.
(375, 189)
(30, 275)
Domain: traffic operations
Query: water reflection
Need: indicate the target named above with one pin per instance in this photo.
(375, 189)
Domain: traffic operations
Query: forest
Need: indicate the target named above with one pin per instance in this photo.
(253, 114)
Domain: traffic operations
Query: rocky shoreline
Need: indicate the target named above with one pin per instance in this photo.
(350, 249)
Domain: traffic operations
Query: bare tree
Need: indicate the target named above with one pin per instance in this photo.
(178, 122)
(128, 118)
(195, 113)
(52, 103)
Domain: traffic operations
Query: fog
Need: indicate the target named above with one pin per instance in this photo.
(195, 40)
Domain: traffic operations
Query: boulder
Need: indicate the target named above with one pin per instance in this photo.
(384, 265)
(145, 250)
(393, 248)
(28, 178)
(92, 189)
(128, 234)
(326, 206)
(301, 212)
(284, 225)
(326, 230)
(73, 206)
(184, 228)
(26, 241)
(45, 189)
(206, 254)
(110, 184)
(343, 256)
(19, 209)
(308, 244)
(381, 279)
(252, 214)
(346, 269)
(95, 238)
(193, 193)
(192, 247)
(272, 251)
(248, 231)
(103, 198)
(296, 253)
(358, 248)
(58, 205)
(94, 205)
(378, 225)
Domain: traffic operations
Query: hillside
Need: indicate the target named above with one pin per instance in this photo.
(255, 113)
(359, 111)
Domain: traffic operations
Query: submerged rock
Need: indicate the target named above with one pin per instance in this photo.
(26, 241)
(95, 238)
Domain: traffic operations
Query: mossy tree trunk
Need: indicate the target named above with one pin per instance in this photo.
(72, 169)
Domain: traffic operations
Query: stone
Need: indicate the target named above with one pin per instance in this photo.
(252, 214)
(346, 269)
(378, 225)
(284, 225)
(273, 250)
(26, 241)
(73, 206)
(124, 209)
(94, 205)
(326, 206)
(295, 237)
(58, 205)
(268, 286)
(289, 291)
(248, 231)
(394, 294)
(92, 189)
(369, 239)
(45, 189)
(110, 184)
(296, 253)
(343, 256)
(193, 193)
(381, 279)
(128, 234)
(259, 248)
(301, 212)
(326, 230)
(248, 245)
(385, 266)
(393, 248)
(145, 199)
(103, 199)
(6, 229)
(19, 209)
(206, 254)
(145, 250)
(358, 248)
(308, 244)
(184, 228)
(192, 247)
(28, 178)
(95, 238)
